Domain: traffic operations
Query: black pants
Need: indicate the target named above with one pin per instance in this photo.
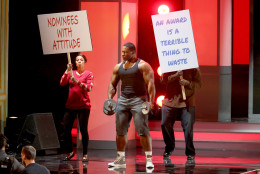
(187, 118)
(69, 118)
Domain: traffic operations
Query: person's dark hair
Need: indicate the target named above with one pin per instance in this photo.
(3, 140)
(84, 57)
(29, 152)
(131, 46)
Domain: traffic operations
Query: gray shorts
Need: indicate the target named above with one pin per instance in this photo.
(125, 110)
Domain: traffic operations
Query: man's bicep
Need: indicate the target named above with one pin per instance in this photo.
(115, 77)
(114, 82)
(148, 73)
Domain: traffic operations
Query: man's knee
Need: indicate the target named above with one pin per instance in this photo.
(143, 131)
(121, 132)
(166, 125)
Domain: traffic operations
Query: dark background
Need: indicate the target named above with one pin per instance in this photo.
(256, 56)
(33, 82)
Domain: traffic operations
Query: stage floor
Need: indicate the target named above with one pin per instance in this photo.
(207, 162)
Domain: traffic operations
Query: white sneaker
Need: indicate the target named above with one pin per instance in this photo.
(118, 163)
(149, 170)
(117, 170)
(149, 163)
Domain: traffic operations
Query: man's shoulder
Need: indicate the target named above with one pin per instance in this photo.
(31, 168)
(144, 66)
(116, 67)
(34, 165)
(141, 61)
(120, 63)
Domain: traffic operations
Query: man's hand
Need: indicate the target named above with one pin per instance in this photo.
(153, 105)
(180, 73)
(110, 105)
(154, 109)
(184, 82)
(175, 76)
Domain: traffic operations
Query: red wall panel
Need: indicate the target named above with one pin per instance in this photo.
(204, 19)
(103, 22)
(240, 31)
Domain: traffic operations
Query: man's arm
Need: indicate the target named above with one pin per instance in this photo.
(170, 77)
(113, 83)
(164, 79)
(197, 79)
(148, 76)
(195, 83)
(17, 167)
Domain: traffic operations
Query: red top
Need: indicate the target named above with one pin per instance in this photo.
(78, 92)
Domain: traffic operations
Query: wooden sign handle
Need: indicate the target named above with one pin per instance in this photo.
(69, 61)
(183, 90)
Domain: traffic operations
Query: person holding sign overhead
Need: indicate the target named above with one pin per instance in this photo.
(80, 83)
(176, 107)
(135, 74)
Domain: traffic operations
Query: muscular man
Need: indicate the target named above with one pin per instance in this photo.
(175, 108)
(135, 74)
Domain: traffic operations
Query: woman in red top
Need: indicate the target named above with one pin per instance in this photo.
(78, 103)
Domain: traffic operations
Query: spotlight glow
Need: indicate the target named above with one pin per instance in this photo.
(126, 25)
(159, 71)
(160, 100)
(13, 117)
(163, 9)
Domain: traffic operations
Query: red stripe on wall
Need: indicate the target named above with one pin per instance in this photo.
(241, 32)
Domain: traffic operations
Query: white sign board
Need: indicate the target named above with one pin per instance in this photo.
(175, 41)
(65, 32)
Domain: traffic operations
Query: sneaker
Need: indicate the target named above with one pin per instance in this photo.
(149, 170)
(85, 159)
(118, 163)
(69, 156)
(167, 154)
(117, 170)
(149, 163)
(167, 160)
(190, 160)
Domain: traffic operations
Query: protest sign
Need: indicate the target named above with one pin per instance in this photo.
(65, 32)
(174, 41)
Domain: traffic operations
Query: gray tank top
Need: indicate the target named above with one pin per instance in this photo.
(133, 84)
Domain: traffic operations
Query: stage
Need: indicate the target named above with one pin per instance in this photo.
(221, 148)
(207, 162)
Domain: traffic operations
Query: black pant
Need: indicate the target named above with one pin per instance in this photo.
(69, 118)
(187, 118)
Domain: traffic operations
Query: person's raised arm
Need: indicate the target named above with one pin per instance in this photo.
(66, 76)
(112, 87)
(148, 76)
